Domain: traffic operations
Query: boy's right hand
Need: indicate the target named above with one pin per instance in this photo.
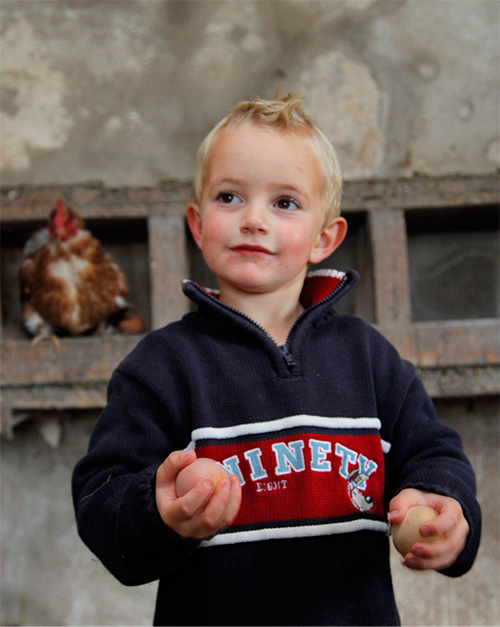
(203, 511)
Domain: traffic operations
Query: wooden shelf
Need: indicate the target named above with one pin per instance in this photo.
(80, 360)
(454, 357)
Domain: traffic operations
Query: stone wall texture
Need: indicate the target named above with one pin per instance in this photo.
(123, 92)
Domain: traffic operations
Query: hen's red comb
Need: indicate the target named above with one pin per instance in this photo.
(59, 218)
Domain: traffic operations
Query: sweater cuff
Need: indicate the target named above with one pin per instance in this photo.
(149, 546)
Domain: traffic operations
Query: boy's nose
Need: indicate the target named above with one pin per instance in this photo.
(253, 219)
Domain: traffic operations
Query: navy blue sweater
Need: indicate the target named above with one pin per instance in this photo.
(322, 432)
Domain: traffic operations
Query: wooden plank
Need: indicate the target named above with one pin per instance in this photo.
(421, 192)
(19, 403)
(457, 343)
(169, 267)
(93, 201)
(88, 360)
(41, 397)
(461, 382)
(170, 197)
(391, 273)
(79, 360)
(447, 343)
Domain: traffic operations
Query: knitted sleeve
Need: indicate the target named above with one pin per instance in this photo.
(114, 484)
(425, 454)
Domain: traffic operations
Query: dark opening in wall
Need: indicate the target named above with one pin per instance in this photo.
(355, 254)
(125, 240)
(454, 263)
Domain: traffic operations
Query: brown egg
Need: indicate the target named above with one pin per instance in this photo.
(407, 532)
(201, 468)
(131, 323)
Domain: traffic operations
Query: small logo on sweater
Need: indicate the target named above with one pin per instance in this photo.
(357, 479)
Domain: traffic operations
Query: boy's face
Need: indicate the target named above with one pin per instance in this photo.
(259, 223)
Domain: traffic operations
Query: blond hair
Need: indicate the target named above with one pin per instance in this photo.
(285, 114)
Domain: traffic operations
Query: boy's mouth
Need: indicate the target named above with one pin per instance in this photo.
(249, 249)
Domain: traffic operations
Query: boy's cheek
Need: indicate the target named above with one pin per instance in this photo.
(296, 245)
(214, 230)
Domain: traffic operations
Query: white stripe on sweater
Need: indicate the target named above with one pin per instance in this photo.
(303, 531)
(281, 424)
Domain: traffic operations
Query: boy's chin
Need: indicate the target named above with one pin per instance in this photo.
(261, 285)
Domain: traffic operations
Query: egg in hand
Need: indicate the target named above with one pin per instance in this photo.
(407, 532)
(201, 468)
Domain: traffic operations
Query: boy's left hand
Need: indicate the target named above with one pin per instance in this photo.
(451, 525)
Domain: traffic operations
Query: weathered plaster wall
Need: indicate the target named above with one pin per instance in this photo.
(123, 92)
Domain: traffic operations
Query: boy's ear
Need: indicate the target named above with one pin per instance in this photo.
(329, 239)
(195, 222)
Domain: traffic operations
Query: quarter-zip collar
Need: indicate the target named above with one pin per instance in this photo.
(322, 289)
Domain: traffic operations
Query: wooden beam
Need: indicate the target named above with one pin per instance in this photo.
(461, 382)
(93, 200)
(447, 343)
(21, 403)
(391, 273)
(421, 192)
(169, 266)
(80, 360)
(457, 343)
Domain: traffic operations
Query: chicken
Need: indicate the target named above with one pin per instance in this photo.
(68, 284)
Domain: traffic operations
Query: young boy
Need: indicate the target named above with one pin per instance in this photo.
(322, 426)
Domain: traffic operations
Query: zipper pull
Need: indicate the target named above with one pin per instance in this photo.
(287, 356)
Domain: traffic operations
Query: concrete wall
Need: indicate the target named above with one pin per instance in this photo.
(123, 92)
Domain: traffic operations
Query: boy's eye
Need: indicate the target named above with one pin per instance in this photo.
(286, 203)
(228, 198)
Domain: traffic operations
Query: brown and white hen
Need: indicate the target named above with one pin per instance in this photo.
(68, 283)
